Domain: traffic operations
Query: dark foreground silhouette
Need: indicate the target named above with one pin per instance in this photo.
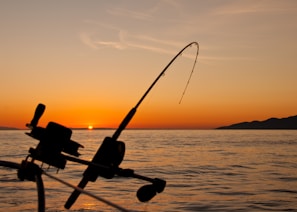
(289, 123)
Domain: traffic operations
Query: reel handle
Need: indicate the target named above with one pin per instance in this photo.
(37, 115)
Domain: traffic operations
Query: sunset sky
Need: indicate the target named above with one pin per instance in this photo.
(90, 62)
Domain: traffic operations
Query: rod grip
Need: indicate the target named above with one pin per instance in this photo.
(124, 123)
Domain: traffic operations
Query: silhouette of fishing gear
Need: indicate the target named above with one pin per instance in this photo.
(89, 173)
(55, 140)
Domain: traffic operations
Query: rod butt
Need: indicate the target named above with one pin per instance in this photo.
(75, 194)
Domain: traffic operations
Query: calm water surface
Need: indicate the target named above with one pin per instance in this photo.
(205, 170)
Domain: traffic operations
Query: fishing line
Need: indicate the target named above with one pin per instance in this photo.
(168, 65)
(131, 113)
(86, 192)
(40, 187)
(32, 172)
(96, 159)
(188, 82)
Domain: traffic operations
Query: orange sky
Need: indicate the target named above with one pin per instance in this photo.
(90, 62)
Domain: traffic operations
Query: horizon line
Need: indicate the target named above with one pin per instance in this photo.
(110, 128)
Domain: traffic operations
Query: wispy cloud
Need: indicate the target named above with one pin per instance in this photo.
(155, 21)
(150, 12)
(130, 13)
(122, 35)
(256, 6)
(124, 39)
(93, 40)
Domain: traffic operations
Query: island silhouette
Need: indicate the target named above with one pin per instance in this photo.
(289, 123)
(7, 128)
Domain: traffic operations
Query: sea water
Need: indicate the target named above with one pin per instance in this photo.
(205, 170)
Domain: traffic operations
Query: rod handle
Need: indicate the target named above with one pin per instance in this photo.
(75, 194)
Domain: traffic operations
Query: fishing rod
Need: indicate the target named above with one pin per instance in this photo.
(111, 152)
(131, 113)
(55, 148)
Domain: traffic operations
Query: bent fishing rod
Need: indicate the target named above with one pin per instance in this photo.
(131, 113)
(111, 152)
(55, 140)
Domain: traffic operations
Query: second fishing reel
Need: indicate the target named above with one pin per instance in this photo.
(110, 154)
(53, 140)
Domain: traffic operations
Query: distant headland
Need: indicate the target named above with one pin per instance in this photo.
(289, 123)
(8, 128)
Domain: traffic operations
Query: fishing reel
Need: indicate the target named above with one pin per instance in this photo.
(110, 154)
(53, 140)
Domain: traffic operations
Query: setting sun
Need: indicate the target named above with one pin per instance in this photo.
(219, 91)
